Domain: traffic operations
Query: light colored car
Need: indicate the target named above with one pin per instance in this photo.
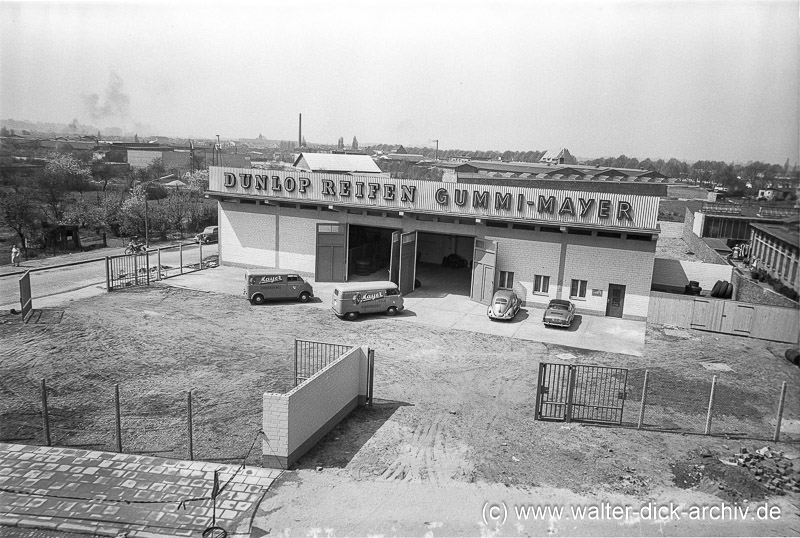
(505, 305)
(209, 235)
(559, 313)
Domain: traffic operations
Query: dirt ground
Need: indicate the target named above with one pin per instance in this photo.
(450, 405)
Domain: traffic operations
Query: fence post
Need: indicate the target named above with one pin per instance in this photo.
(136, 268)
(644, 400)
(147, 262)
(180, 256)
(570, 390)
(119, 421)
(370, 374)
(779, 419)
(295, 362)
(189, 413)
(201, 254)
(45, 414)
(108, 274)
(710, 404)
(159, 264)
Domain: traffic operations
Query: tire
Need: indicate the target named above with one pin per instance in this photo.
(694, 283)
(793, 356)
(351, 316)
(716, 288)
(391, 311)
(304, 297)
(728, 291)
(129, 250)
(258, 299)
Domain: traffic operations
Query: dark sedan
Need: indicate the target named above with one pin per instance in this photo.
(559, 313)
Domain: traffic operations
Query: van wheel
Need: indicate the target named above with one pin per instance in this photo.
(351, 316)
(391, 311)
(258, 299)
(304, 297)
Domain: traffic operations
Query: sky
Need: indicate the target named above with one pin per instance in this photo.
(658, 79)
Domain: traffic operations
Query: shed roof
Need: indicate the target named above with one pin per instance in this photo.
(336, 162)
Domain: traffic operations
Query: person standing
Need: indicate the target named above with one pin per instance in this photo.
(15, 255)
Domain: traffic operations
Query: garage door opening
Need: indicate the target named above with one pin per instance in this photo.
(369, 252)
(444, 264)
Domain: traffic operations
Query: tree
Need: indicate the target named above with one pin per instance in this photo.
(341, 142)
(61, 175)
(18, 211)
(355, 143)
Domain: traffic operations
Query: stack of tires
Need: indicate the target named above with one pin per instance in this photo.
(722, 289)
(793, 356)
(692, 288)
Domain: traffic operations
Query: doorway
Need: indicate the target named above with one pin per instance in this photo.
(616, 300)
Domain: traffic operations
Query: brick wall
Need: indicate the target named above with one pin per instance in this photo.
(527, 258)
(294, 422)
(297, 239)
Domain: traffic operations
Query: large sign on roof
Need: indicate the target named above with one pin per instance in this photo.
(591, 207)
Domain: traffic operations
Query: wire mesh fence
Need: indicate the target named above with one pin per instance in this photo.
(657, 399)
(714, 405)
(195, 425)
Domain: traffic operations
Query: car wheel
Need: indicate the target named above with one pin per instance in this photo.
(258, 299)
(304, 297)
(351, 316)
(391, 311)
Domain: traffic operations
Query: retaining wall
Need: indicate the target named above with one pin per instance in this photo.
(751, 292)
(295, 421)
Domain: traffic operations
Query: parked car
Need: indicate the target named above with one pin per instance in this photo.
(559, 313)
(505, 305)
(209, 235)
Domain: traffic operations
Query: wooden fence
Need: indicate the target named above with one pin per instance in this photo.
(767, 322)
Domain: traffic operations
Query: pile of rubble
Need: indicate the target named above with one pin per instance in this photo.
(770, 467)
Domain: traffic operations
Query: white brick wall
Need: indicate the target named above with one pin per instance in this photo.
(247, 234)
(292, 418)
(601, 266)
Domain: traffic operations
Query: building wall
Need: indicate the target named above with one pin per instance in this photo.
(294, 422)
(692, 227)
(142, 158)
(285, 237)
(776, 257)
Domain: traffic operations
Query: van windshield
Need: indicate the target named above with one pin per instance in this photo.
(392, 291)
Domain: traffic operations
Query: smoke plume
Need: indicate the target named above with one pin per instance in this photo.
(115, 102)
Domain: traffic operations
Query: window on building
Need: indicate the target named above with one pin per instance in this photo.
(506, 279)
(541, 283)
(578, 289)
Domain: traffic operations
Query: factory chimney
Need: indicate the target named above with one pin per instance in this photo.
(300, 132)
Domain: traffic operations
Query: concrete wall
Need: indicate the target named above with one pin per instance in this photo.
(746, 290)
(294, 422)
(692, 226)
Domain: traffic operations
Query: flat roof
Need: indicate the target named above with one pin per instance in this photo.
(786, 234)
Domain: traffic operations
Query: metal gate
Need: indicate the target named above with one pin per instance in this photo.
(127, 270)
(311, 357)
(582, 393)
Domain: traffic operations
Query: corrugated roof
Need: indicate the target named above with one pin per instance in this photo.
(336, 162)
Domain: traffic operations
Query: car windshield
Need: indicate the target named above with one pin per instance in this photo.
(500, 301)
(558, 307)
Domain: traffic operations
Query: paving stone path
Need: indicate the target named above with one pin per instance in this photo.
(110, 494)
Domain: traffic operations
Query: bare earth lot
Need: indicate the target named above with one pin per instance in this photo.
(453, 408)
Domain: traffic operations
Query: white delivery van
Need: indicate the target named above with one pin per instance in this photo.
(263, 285)
(353, 298)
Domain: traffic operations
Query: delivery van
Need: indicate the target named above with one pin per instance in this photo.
(261, 286)
(354, 298)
